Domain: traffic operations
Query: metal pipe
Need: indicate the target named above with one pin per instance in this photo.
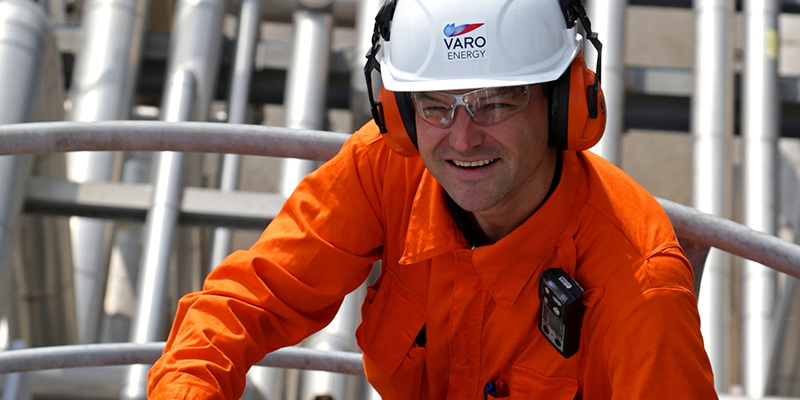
(688, 223)
(726, 235)
(339, 335)
(264, 383)
(16, 386)
(608, 19)
(283, 10)
(365, 22)
(203, 137)
(237, 109)
(760, 128)
(159, 231)
(30, 89)
(306, 82)
(787, 309)
(711, 128)
(92, 355)
(192, 69)
(101, 90)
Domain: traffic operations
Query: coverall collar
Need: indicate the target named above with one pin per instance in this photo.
(507, 265)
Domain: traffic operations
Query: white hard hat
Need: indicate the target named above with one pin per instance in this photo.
(466, 44)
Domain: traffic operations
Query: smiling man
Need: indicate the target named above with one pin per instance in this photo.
(515, 262)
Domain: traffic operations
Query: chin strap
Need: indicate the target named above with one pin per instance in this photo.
(573, 11)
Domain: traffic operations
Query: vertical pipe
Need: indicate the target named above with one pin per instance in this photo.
(193, 63)
(306, 82)
(710, 130)
(760, 130)
(16, 386)
(102, 90)
(159, 230)
(237, 109)
(20, 51)
(786, 310)
(608, 20)
(365, 21)
(265, 383)
(339, 335)
(366, 11)
(30, 90)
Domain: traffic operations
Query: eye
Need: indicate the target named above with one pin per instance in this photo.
(495, 107)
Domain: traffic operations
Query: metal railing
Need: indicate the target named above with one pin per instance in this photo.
(699, 230)
(94, 355)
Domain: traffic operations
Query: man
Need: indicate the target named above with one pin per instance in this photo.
(471, 183)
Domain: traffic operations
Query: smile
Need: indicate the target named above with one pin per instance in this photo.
(472, 164)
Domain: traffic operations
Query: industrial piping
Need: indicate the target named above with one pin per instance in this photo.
(760, 102)
(711, 128)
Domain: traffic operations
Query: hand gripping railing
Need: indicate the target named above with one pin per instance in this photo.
(697, 231)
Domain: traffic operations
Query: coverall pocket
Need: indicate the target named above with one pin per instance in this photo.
(405, 382)
(393, 362)
(529, 384)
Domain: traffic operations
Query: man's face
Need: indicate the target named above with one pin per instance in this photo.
(497, 167)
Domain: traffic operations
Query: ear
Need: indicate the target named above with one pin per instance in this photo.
(571, 126)
(400, 119)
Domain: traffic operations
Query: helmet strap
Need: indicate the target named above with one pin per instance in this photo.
(573, 10)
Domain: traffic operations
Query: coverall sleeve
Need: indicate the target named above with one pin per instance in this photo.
(288, 285)
(654, 348)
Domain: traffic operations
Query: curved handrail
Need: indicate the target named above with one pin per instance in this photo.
(201, 137)
(207, 137)
(733, 237)
(93, 355)
(48, 137)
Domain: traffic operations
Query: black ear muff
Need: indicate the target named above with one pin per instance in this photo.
(577, 114)
(559, 111)
(400, 122)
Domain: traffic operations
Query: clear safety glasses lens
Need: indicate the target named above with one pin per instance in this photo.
(486, 106)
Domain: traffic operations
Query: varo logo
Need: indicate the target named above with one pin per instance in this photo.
(461, 43)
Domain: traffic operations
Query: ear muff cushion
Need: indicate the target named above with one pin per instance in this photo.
(559, 111)
(399, 115)
(570, 125)
(583, 132)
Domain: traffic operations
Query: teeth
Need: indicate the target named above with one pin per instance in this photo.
(473, 163)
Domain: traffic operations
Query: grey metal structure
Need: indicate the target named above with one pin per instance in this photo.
(711, 130)
(608, 19)
(364, 25)
(194, 60)
(102, 90)
(162, 217)
(237, 110)
(16, 386)
(306, 81)
(702, 229)
(760, 132)
(30, 90)
(652, 86)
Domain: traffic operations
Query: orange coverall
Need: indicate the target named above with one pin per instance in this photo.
(641, 330)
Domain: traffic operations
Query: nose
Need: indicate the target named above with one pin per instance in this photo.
(464, 134)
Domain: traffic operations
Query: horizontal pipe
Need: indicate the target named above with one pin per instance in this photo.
(734, 238)
(93, 355)
(204, 137)
(273, 141)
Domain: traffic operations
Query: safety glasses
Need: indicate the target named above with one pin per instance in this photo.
(486, 106)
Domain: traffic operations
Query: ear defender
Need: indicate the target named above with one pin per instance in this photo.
(400, 120)
(577, 114)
